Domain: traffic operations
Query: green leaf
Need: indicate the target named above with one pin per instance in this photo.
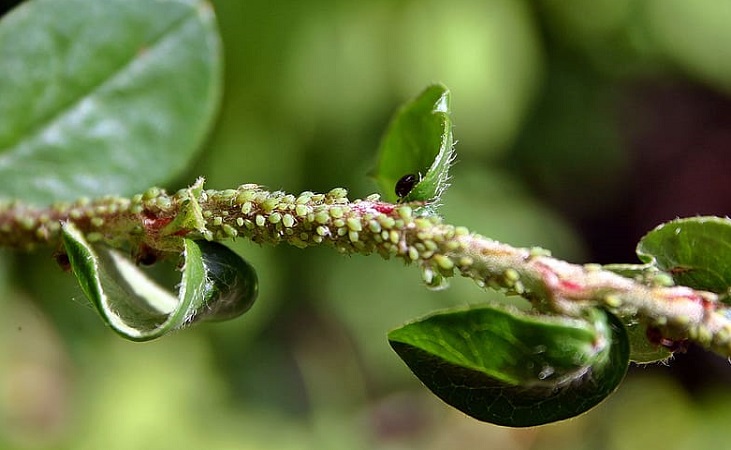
(216, 284)
(418, 142)
(696, 251)
(509, 368)
(642, 351)
(103, 97)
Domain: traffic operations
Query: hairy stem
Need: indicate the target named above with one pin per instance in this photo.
(156, 221)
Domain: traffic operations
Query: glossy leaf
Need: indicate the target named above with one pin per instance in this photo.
(418, 142)
(509, 368)
(696, 251)
(216, 284)
(105, 97)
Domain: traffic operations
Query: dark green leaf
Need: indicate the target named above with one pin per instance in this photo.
(216, 284)
(231, 285)
(696, 251)
(418, 142)
(103, 97)
(509, 368)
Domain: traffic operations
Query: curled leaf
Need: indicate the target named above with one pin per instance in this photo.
(416, 151)
(216, 284)
(231, 283)
(510, 368)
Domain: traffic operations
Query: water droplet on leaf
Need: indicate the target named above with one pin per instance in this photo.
(434, 280)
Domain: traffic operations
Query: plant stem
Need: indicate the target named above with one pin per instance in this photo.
(156, 220)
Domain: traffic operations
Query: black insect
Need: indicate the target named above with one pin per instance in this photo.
(405, 184)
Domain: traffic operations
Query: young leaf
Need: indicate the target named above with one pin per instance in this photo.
(696, 251)
(216, 284)
(509, 368)
(416, 151)
(105, 97)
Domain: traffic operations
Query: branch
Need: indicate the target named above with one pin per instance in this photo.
(155, 220)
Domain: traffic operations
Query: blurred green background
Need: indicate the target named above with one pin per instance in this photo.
(581, 125)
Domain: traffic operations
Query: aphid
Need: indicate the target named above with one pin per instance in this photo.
(405, 184)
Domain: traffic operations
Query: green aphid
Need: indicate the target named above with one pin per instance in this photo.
(354, 224)
(151, 193)
(443, 262)
(336, 212)
(303, 198)
(322, 217)
(386, 222)
(466, 261)
(269, 205)
(394, 236)
(511, 275)
(338, 193)
(374, 226)
(413, 253)
(404, 212)
(230, 231)
(301, 210)
(461, 231)
(245, 196)
(288, 220)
